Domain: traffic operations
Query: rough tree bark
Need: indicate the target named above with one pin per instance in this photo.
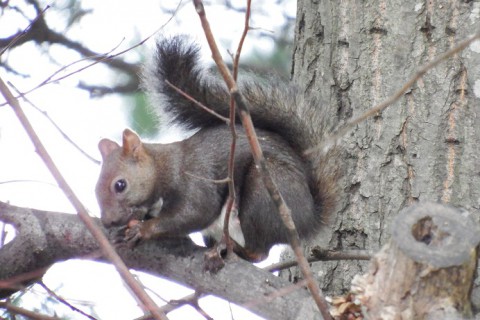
(424, 147)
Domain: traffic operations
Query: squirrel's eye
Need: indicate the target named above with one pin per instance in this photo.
(120, 185)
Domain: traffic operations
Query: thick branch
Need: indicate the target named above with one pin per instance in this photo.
(44, 238)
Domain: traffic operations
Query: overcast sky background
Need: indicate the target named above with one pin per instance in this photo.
(24, 180)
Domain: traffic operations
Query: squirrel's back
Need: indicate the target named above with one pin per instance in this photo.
(274, 106)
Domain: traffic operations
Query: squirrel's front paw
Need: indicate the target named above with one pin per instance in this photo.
(133, 233)
(116, 235)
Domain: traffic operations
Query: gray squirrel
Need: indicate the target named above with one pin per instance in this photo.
(169, 190)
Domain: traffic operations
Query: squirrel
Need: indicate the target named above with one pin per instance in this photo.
(170, 190)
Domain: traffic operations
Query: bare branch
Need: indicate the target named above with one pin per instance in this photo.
(24, 312)
(56, 126)
(336, 136)
(63, 301)
(39, 32)
(231, 161)
(192, 300)
(11, 41)
(198, 103)
(320, 254)
(50, 237)
(283, 209)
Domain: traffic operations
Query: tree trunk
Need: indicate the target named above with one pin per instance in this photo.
(355, 54)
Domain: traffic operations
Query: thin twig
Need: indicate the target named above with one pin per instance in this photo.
(63, 301)
(336, 136)
(277, 293)
(177, 303)
(192, 300)
(246, 119)
(246, 28)
(24, 312)
(50, 79)
(198, 103)
(230, 84)
(104, 244)
(28, 181)
(24, 32)
(231, 161)
(27, 277)
(98, 58)
(323, 255)
(55, 125)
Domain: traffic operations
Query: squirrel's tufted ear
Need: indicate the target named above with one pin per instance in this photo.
(132, 145)
(106, 147)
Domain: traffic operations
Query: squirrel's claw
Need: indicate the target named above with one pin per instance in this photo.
(133, 233)
(116, 235)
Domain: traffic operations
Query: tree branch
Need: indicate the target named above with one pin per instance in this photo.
(39, 32)
(44, 238)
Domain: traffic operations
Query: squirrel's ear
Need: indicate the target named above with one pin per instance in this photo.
(132, 145)
(106, 147)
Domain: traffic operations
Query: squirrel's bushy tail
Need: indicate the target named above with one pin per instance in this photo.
(274, 106)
